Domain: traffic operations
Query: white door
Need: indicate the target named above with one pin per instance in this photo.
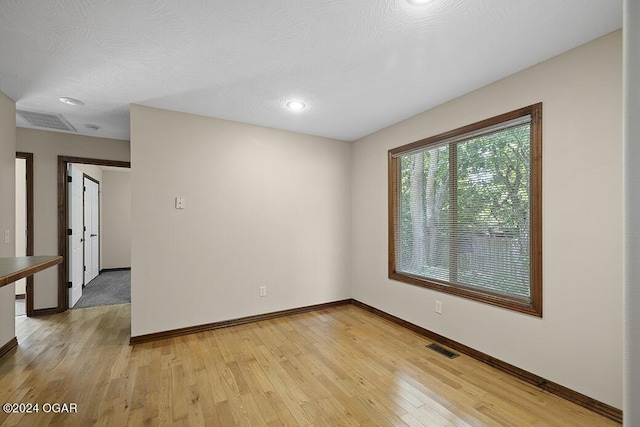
(91, 230)
(74, 197)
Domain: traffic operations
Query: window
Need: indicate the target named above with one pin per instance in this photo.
(465, 211)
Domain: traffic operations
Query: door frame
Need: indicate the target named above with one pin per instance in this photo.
(84, 207)
(28, 157)
(63, 161)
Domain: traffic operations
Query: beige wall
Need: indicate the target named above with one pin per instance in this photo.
(46, 147)
(116, 219)
(7, 210)
(578, 342)
(263, 208)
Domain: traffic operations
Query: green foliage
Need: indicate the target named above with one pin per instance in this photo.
(487, 227)
(493, 181)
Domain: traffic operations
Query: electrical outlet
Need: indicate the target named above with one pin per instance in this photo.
(438, 307)
(263, 291)
(7, 236)
(180, 202)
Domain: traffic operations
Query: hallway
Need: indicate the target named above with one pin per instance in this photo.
(108, 288)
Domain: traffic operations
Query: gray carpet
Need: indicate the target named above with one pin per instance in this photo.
(109, 288)
(21, 308)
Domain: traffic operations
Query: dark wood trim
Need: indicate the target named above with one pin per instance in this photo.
(232, 322)
(511, 115)
(532, 306)
(45, 311)
(536, 208)
(63, 161)
(28, 157)
(62, 234)
(393, 178)
(106, 270)
(13, 343)
(528, 377)
(497, 300)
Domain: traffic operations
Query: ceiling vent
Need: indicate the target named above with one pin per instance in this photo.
(44, 120)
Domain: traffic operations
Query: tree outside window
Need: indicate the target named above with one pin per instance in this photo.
(465, 210)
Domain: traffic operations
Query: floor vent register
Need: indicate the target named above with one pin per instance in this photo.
(443, 351)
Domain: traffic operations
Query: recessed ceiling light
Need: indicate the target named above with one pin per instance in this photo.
(296, 105)
(71, 101)
(418, 2)
(91, 126)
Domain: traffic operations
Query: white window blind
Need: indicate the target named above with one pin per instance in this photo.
(463, 210)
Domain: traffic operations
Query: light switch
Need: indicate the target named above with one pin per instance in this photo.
(180, 203)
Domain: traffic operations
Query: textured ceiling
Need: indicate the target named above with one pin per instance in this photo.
(359, 65)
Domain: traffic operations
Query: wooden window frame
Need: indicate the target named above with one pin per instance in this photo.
(532, 306)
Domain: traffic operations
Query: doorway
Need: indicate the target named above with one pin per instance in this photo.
(24, 228)
(65, 245)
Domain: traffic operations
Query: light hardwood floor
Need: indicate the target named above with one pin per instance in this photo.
(340, 366)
